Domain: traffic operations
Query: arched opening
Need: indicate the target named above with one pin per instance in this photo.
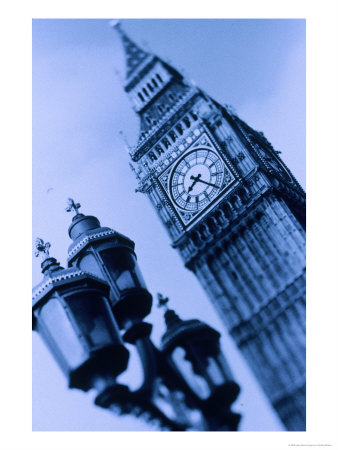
(179, 129)
(166, 143)
(186, 122)
(173, 136)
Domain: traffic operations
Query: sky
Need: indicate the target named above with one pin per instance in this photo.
(79, 110)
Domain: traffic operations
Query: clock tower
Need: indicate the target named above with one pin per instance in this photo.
(234, 212)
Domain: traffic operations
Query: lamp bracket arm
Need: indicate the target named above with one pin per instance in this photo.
(147, 354)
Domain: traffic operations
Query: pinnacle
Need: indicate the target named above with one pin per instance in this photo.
(133, 53)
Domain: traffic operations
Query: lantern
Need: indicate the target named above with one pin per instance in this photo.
(72, 314)
(110, 256)
(193, 349)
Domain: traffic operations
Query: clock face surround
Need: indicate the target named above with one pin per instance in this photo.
(196, 179)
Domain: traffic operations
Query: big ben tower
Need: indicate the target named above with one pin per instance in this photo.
(234, 212)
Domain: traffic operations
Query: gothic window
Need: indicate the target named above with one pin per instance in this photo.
(172, 135)
(159, 78)
(179, 129)
(145, 92)
(186, 122)
(159, 149)
(220, 216)
(172, 97)
(160, 108)
(154, 82)
(150, 87)
(152, 156)
(166, 143)
(246, 192)
(205, 230)
(236, 201)
(242, 195)
(227, 210)
(211, 225)
(195, 238)
(148, 120)
(141, 96)
(193, 115)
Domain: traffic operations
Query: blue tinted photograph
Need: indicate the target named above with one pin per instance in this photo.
(169, 225)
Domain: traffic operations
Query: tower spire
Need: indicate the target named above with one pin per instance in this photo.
(135, 56)
(153, 86)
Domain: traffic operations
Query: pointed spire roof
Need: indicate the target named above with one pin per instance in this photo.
(135, 56)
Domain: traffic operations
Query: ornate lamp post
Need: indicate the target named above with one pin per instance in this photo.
(85, 312)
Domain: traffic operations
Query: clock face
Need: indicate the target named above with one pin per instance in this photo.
(196, 179)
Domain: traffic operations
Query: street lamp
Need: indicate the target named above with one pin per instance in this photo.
(72, 314)
(84, 314)
(193, 348)
(110, 256)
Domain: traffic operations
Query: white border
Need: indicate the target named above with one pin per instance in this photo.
(322, 79)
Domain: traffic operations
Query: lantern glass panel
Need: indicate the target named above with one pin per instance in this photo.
(59, 334)
(225, 367)
(196, 382)
(94, 321)
(214, 372)
(89, 263)
(122, 266)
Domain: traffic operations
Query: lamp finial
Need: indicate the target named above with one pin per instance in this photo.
(72, 206)
(162, 301)
(42, 248)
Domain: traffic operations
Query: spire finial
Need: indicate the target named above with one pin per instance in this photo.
(135, 56)
(42, 248)
(162, 301)
(72, 206)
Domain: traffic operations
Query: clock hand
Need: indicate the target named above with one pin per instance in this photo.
(210, 184)
(202, 181)
(194, 182)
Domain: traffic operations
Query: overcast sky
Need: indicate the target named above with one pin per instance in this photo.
(79, 109)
